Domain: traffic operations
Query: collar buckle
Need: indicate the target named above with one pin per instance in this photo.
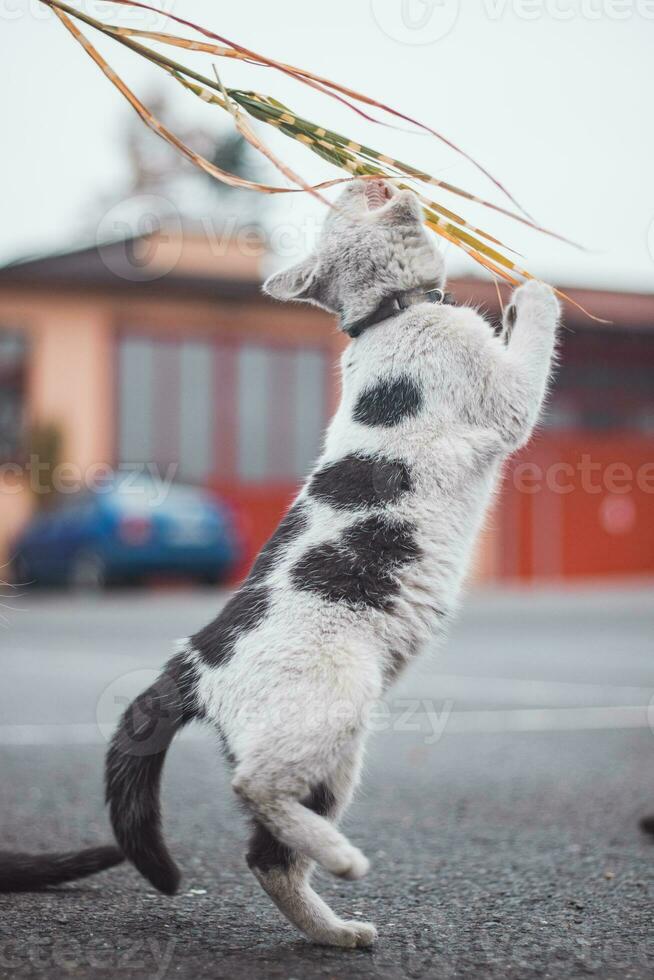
(393, 305)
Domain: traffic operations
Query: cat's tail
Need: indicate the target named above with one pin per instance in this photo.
(133, 775)
(134, 765)
(30, 872)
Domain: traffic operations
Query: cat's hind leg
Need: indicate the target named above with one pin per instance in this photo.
(312, 739)
(285, 874)
(280, 793)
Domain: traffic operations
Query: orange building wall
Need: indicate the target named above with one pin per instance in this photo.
(68, 386)
(71, 381)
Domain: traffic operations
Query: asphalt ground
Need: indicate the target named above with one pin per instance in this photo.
(499, 807)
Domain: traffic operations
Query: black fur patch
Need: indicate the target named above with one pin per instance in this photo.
(266, 852)
(361, 481)
(291, 525)
(360, 570)
(389, 402)
(244, 611)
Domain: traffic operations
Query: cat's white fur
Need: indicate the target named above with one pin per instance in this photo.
(292, 701)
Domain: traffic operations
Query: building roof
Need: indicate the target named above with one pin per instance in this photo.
(162, 261)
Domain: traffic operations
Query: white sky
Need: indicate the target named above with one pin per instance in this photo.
(552, 96)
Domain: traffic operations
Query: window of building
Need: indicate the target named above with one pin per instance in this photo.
(251, 413)
(13, 385)
(281, 400)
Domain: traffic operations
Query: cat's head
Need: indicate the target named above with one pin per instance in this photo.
(373, 245)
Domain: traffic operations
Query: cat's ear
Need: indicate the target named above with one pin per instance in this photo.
(299, 282)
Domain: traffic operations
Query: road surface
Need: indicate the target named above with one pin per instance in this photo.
(499, 806)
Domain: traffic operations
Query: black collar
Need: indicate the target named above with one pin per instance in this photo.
(396, 304)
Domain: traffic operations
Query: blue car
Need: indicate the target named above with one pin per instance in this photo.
(125, 531)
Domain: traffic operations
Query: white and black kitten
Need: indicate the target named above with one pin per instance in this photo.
(362, 573)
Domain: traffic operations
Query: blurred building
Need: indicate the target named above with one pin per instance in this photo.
(162, 351)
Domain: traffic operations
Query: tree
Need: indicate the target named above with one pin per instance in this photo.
(158, 172)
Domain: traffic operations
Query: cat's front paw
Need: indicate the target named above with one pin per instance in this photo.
(346, 933)
(535, 299)
(347, 862)
(364, 933)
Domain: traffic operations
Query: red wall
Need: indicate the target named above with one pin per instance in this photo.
(578, 505)
(257, 510)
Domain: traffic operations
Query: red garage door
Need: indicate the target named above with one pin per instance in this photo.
(579, 506)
